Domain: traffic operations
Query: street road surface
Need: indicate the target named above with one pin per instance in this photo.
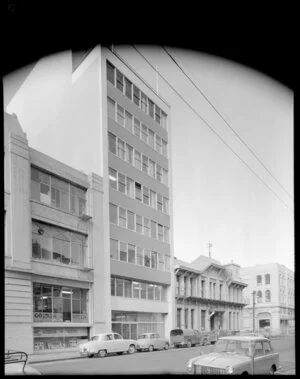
(172, 361)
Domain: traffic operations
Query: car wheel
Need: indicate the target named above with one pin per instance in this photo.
(102, 353)
(189, 344)
(167, 346)
(120, 353)
(90, 355)
(205, 342)
(131, 349)
(272, 371)
(150, 348)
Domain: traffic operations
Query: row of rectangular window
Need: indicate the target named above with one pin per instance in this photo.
(138, 160)
(132, 92)
(117, 113)
(129, 220)
(267, 296)
(267, 279)
(135, 190)
(50, 190)
(137, 290)
(51, 243)
(127, 252)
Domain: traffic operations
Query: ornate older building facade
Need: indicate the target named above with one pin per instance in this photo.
(208, 295)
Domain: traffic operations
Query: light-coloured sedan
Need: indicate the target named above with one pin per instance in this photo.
(106, 343)
(152, 341)
(236, 355)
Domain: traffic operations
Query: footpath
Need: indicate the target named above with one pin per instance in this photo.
(53, 356)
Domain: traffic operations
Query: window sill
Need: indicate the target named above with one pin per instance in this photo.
(62, 324)
(57, 209)
(137, 265)
(53, 263)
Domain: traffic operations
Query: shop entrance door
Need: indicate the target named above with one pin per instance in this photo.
(212, 322)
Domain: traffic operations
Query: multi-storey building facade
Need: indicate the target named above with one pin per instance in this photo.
(208, 295)
(273, 284)
(52, 239)
(139, 209)
(120, 130)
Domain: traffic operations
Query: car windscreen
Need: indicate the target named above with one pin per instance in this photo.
(233, 346)
(143, 336)
(95, 338)
(176, 332)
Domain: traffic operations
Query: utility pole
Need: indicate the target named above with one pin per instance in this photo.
(253, 294)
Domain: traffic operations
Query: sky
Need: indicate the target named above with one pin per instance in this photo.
(216, 197)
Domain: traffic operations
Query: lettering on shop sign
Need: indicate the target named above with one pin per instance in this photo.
(44, 317)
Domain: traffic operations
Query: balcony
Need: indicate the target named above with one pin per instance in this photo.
(182, 294)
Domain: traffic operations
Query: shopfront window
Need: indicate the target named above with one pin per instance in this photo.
(133, 324)
(59, 304)
(58, 338)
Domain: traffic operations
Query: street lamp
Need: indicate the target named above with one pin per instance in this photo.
(253, 294)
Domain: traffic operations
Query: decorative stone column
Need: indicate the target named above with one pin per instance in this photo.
(181, 285)
(188, 286)
(182, 317)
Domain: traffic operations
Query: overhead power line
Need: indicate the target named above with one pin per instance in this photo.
(211, 128)
(226, 122)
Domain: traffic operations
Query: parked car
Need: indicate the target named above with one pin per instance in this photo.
(152, 341)
(16, 363)
(237, 355)
(106, 343)
(188, 337)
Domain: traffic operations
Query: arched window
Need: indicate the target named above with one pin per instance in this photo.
(267, 279)
(258, 279)
(259, 296)
(268, 296)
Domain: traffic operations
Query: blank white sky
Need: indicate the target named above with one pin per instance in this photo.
(215, 196)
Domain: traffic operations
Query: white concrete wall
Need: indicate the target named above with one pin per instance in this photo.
(138, 305)
(18, 311)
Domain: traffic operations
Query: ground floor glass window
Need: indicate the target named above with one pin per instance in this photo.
(58, 338)
(132, 324)
(59, 304)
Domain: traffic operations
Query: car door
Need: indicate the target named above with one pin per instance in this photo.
(108, 343)
(160, 341)
(157, 341)
(270, 356)
(152, 341)
(260, 364)
(119, 343)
